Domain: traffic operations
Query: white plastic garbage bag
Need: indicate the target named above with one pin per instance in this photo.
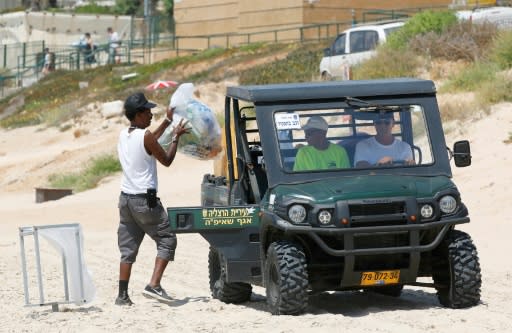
(204, 138)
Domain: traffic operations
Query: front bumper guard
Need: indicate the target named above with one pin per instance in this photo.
(349, 233)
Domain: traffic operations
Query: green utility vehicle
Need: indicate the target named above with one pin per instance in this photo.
(377, 227)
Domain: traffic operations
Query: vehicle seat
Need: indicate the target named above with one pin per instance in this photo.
(350, 143)
(261, 175)
(288, 156)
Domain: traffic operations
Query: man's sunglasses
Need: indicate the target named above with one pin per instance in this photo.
(313, 131)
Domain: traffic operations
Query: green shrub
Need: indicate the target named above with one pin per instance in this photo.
(460, 41)
(501, 50)
(37, 101)
(97, 169)
(248, 48)
(92, 8)
(387, 64)
(472, 78)
(128, 7)
(59, 115)
(300, 65)
(421, 23)
(495, 91)
(460, 108)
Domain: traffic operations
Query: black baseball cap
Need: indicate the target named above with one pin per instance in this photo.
(136, 103)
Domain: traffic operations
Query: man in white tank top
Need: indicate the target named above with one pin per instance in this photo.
(140, 210)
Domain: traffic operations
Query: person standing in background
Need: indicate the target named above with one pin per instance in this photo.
(47, 61)
(89, 49)
(113, 46)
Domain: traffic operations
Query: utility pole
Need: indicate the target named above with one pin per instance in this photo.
(148, 41)
(146, 8)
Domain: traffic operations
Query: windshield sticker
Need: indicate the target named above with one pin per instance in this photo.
(285, 121)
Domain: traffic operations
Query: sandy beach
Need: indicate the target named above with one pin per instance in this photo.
(29, 155)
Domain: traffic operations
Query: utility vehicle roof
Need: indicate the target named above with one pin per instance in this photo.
(330, 89)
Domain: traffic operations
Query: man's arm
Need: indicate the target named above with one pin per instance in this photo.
(154, 148)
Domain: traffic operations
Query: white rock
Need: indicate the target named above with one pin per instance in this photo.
(112, 109)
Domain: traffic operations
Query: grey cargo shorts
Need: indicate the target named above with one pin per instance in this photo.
(136, 220)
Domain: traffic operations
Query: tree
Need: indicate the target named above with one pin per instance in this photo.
(169, 7)
(129, 7)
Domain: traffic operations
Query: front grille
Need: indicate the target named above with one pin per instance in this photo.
(377, 214)
(377, 209)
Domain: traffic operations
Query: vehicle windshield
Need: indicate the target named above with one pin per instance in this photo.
(354, 137)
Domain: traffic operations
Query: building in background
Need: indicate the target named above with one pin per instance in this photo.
(10, 4)
(209, 17)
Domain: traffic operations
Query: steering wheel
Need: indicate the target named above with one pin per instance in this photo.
(394, 163)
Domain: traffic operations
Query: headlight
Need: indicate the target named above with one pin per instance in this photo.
(297, 213)
(426, 211)
(447, 204)
(324, 217)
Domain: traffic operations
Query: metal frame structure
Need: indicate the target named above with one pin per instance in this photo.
(34, 231)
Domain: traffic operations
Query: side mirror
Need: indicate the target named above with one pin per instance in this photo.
(462, 153)
(327, 52)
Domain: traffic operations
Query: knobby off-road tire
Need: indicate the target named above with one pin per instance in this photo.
(456, 271)
(286, 279)
(234, 292)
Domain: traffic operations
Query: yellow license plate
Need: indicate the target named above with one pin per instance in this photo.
(380, 278)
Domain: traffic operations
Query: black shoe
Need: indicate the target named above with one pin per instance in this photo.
(124, 299)
(157, 293)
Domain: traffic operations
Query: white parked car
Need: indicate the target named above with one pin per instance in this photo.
(353, 46)
(501, 16)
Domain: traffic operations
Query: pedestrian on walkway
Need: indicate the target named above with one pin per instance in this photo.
(113, 46)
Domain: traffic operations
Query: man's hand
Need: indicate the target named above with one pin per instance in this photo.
(170, 113)
(180, 129)
(385, 160)
(388, 160)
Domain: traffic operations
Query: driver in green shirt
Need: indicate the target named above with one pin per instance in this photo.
(319, 153)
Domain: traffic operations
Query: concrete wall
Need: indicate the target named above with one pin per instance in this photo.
(324, 11)
(9, 4)
(212, 16)
(206, 17)
(59, 29)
